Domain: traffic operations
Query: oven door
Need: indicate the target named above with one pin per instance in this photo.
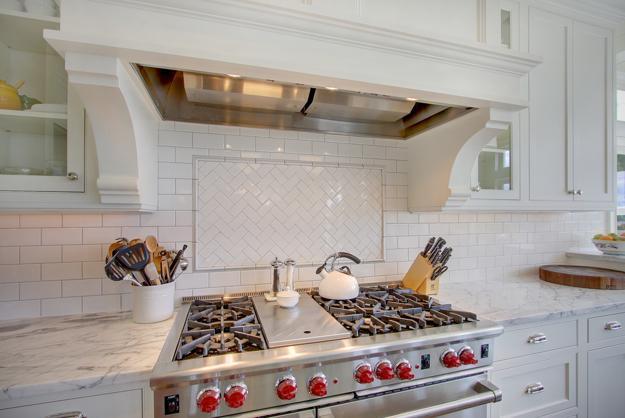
(464, 397)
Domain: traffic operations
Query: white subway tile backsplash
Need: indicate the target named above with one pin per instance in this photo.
(40, 290)
(104, 235)
(12, 237)
(50, 256)
(82, 220)
(9, 255)
(40, 220)
(43, 254)
(84, 287)
(61, 271)
(9, 291)
(61, 306)
(56, 236)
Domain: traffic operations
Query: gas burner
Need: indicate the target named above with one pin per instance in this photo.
(220, 326)
(387, 308)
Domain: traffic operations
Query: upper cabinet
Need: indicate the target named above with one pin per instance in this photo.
(570, 114)
(41, 123)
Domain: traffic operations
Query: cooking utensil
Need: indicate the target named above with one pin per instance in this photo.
(337, 284)
(135, 257)
(119, 242)
(438, 271)
(165, 270)
(114, 269)
(174, 264)
(440, 242)
(151, 243)
(445, 256)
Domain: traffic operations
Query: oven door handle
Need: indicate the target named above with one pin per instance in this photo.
(484, 392)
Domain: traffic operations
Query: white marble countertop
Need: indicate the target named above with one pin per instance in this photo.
(518, 302)
(56, 354)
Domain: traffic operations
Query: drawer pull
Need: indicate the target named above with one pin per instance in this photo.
(612, 326)
(534, 388)
(537, 338)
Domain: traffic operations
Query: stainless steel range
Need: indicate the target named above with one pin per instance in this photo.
(389, 352)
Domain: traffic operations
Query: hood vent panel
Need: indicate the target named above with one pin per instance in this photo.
(233, 100)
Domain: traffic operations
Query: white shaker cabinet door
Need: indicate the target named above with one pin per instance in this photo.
(592, 104)
(606, 382)
(549, 131)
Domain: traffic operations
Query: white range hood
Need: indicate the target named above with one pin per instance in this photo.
(102, 40)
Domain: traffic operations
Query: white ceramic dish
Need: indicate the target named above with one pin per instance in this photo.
(287, 298)
(610, 247)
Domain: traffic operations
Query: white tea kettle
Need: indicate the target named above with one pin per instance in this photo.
(338, 284)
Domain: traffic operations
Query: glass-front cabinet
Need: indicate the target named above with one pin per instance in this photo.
(495, 174)
(41, 123)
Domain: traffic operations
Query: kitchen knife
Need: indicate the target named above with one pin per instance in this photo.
(442, 256)
(440, 242)
(445, 257)
(428, 246)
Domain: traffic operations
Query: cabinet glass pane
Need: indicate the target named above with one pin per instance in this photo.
(32, 145)
(33, 93)
(505, 29)
(494, 163)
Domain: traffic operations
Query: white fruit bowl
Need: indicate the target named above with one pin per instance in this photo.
(610, 247)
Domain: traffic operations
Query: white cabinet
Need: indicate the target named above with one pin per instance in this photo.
(42, 143)
(127, 404)
(606, 380)
(570, 112)
(593, 146)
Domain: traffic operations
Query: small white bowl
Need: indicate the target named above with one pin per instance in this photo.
(610, 247)
(287, 298)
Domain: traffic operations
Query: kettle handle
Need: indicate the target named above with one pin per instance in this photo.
(352, 257)
(336, 256)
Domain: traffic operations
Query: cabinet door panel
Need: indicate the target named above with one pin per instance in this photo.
(548, 131)
(591, 137)
(606, 380)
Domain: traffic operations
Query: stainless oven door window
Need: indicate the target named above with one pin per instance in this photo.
(466, 397)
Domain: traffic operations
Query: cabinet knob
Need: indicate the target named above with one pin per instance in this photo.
(534, 388)
(476, 188)
(579, 192)
(537, 338)
(572, 192)
(72, 176)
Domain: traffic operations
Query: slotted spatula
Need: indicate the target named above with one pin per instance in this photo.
(135, 257)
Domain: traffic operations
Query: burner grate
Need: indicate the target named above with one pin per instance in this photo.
(220, 326)
(382, 309)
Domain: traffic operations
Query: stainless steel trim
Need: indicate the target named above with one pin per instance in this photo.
(534, 388)
(479, 393)
(71, 414)
(168, 373)
(537, 338)
(613, 326)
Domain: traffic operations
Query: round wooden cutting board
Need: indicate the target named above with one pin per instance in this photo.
(580, 276)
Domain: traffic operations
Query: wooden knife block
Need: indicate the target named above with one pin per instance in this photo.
(419, 277)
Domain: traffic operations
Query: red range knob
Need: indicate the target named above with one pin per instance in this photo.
(235, 395)
(384, 370)
(467, 356)
(363, 374)
(208, 399)
(403, 370)
(286, 388)
(450, 359)
(318, 385)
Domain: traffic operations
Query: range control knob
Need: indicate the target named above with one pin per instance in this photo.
(450, 359)
(384, 370)
(286, 388)
(318, 385)
(235, 395)
(363, 373)
(403, 370)
(208, 399)
(467, 356)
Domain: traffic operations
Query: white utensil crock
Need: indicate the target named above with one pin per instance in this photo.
(152, 303)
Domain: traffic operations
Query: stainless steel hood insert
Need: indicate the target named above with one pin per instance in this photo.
(233, 100)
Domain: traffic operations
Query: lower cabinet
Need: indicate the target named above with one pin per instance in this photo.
(606, 382)
(544, 386)
(127, 404)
